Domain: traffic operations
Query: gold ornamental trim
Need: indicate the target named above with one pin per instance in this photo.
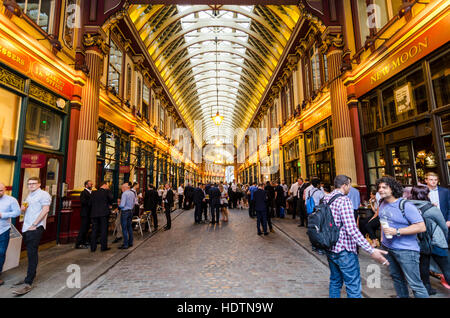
(10, 79)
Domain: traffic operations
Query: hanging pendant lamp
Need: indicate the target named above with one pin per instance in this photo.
(218, 118)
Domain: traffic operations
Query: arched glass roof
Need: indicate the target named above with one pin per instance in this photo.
(215, 58)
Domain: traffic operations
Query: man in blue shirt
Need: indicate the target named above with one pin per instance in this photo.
(399, 237)
(355, 198)
(251, 205)
(9, 208)
(127, 202)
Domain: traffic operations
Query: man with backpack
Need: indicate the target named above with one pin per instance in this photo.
(332, 227)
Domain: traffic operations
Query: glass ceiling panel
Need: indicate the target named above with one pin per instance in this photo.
(242, 39)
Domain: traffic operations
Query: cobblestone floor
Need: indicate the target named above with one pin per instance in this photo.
(226, 260)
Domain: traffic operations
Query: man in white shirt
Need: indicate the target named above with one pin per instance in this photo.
(180, 192)
(36, 208)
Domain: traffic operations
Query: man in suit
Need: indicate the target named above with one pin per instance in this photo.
(270, 191)
(85, 214)
(101, 202)
(439, 196)
(151, 203)
(214, 202)
(199, 198)
(168, 203)
(260, 198)
(301, 207)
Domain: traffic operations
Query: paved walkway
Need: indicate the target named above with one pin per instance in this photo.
(226, 260)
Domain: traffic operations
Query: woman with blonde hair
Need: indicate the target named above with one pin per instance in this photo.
(224, 203)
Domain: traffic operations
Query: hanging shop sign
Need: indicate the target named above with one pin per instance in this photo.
(395, 62)
(33, 161)
(18, 59)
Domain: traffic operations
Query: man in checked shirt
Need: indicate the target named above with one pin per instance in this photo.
(343, 257)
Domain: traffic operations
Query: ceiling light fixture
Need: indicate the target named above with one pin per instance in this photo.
(218, 118)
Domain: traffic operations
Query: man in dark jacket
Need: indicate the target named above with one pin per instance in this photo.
(279, 198)
(199, 198)
(85, 214)
(214, 202)
(151, 203)
(270, 191)
(168, 203)
(101, 202)
(260, 198)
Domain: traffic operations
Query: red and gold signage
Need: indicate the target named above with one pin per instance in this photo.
(421, 46)
(18, 59)
(33, 161)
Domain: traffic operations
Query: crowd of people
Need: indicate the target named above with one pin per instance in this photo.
(408, 227)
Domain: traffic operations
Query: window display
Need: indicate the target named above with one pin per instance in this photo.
(43, 127)
(9, 119)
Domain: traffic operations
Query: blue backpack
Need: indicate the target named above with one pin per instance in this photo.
(310, 205)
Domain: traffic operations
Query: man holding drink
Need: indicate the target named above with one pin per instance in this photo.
(36, 208)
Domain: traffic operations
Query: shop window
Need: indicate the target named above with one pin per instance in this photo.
(51, 182)
(445, 123)
(370, 114)
(401, 162)
(405, 98)
(321, 137)
(43, 128)
(440, 75)
(9, 119)
(309, 142)
(115, 67)
(7, 171)
(376, 166)
(425, 158)
(374, 14)
(42, 12)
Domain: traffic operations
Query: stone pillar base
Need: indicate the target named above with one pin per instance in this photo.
(85, 164)
(344, 158)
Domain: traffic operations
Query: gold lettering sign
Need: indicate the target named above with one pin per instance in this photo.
(400, 59)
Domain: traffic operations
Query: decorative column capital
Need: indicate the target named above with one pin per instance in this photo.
(332, 39)
(95, 40)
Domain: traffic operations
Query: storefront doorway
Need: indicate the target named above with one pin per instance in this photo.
(48, 167)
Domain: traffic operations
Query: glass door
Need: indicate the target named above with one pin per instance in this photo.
(402, 163)
(49, 170)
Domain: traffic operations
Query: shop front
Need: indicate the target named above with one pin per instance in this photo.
(34, 123)
(319, 152)
(292, 165)
(406, 123)
(113, 156)
(402, 96)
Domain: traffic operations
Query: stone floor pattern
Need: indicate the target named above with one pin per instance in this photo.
(226, 260)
